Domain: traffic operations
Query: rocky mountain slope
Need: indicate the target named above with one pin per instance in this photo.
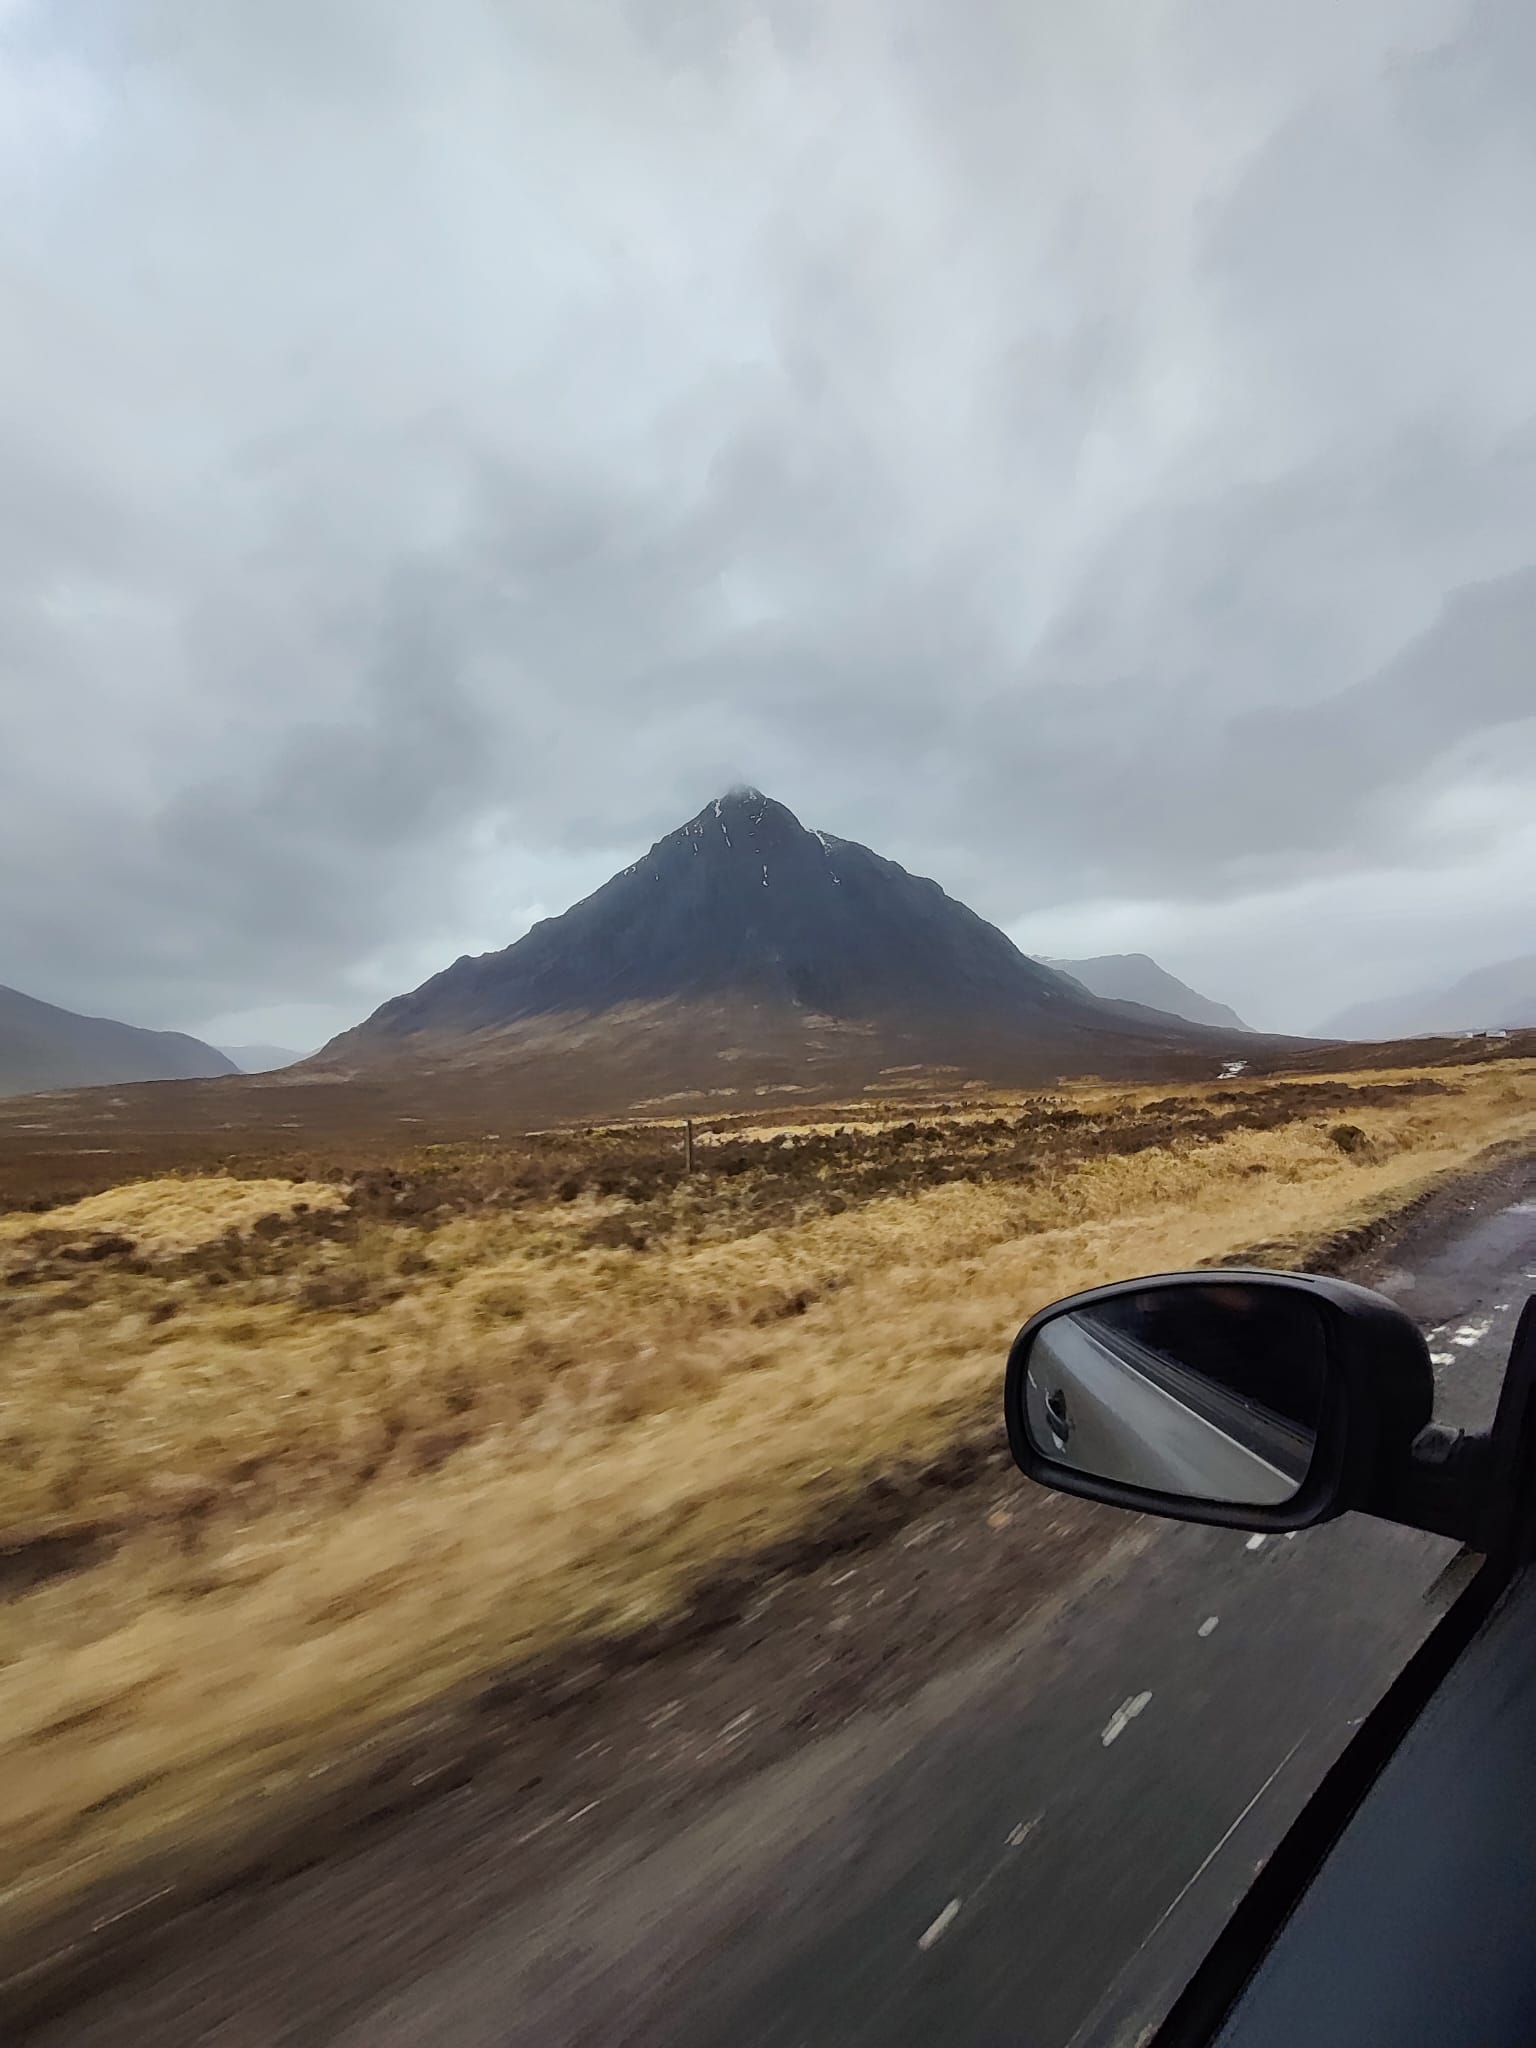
(745, 950)
(1137, 978)
(45, 1047)
(1497, 998)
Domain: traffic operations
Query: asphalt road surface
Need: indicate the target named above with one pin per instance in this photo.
(1035, 1850)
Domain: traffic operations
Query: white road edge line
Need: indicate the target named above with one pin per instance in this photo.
(1104, 2003)
(1231, 1831)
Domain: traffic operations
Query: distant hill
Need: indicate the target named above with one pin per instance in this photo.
(745, 952)
(261, 1059)
(1137, 978)
(1497, 998)
(44, 1047)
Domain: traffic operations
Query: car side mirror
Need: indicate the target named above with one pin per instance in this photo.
(1248, 1398)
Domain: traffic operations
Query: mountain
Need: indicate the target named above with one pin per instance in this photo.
(44, 1047)
(260, 1059)
(1497, 998)
(747, 951)
(1137, 978)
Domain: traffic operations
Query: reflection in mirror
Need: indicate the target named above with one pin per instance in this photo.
(1211, 1391)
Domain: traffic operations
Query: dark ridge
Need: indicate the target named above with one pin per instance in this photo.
(743, 902)
(43, 1047)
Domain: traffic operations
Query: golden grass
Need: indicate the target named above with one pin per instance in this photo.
(345, 1470)
(176, 1213)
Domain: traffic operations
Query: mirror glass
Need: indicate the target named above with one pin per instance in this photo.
(1212, 1391)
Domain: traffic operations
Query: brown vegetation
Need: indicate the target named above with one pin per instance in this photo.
(291, 1448)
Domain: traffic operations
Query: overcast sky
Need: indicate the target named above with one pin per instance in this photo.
(1085, 451)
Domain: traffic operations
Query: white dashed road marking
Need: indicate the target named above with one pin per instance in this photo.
(1123, 1715)
(939, 1926)
(1254, 1543)
(1208, 1625)
(943, 1921)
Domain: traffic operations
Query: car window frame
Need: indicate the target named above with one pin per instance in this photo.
(1210, 1995)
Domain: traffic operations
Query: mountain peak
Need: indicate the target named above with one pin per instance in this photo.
(743, 902)
(743, 801)
(742, 822)
(744, 910)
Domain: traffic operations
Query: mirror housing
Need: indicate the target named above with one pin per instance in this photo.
(1377, 1395)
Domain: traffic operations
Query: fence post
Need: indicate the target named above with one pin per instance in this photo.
(688, 1145)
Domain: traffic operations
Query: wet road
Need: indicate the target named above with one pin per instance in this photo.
(1037, 1867)
(1047, 1856)
(1037, 1849)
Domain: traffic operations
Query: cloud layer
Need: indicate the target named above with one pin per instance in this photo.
(1089, 455)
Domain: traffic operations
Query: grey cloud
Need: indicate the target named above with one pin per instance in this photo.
(1374, 248)
(1226, 802)
(1087, 453)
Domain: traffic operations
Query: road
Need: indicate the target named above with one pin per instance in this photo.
(1034, 1850)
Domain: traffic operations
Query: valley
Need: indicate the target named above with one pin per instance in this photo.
(299, 1446)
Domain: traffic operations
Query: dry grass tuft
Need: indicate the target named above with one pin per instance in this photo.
(169, 1215)
(283, 1459)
